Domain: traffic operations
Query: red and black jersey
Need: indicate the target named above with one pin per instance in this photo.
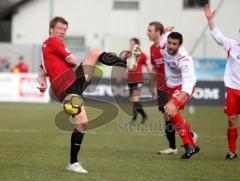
(157, 61)
(56, 66)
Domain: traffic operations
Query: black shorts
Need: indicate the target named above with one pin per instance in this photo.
(78, 86)
(134, 86)
(162, 99)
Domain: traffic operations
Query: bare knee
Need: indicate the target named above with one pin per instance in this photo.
(166, 117)
(91, 58)
(232, 121)
(82, 126)
(81, 121)
(135, 96)
(95, 52)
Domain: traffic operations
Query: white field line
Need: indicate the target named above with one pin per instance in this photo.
(92, 132)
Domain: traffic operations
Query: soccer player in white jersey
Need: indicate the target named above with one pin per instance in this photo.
(231, 80)
(180, 82)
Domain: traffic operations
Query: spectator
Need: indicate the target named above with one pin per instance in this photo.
(4, 65)
(20, 67)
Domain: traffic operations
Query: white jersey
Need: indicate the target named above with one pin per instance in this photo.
(179, 69)
(232, 70)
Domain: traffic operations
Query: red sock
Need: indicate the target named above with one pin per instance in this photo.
(188, 129)
(178, 123)
(232, 134)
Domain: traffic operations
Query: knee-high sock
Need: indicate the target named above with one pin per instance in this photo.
(170, 133)
(188, 129)
(180, 128)
(111, 59)
(232, 134)
(134, 111)
(76, 141)
(139, 108)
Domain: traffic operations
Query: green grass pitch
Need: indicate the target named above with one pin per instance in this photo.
(33, 148)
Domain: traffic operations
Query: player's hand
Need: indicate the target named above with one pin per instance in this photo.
(154, 97)
(170, 108)
(42, 87)
(208, 12)
(168, 29)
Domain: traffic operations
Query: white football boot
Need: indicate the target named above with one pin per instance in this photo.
(76, 167)
(168, 151)
(132, 60)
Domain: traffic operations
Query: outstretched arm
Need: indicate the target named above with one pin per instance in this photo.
(217, 35)
(209, 15)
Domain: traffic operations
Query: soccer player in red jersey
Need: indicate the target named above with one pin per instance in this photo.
(231, 80)
(67, 77)
(135, 79)
(154, 32)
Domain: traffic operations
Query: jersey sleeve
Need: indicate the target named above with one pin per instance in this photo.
(221, 40)
(60, 49)
(144, 58)
(188, 75)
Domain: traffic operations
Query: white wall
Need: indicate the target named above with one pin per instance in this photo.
(29, 25)
(30, 52)
(192, 22)
(110, 29)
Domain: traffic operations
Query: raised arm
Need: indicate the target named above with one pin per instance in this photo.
(209, 15)
(217, 35)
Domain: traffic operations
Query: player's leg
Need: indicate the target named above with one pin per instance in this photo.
(183, 128)
(232, 109)
(131, 87)
(232, 134)
(81, 123)
(96, 55)
(136, 103)
(169, 128)
(187, 125)
(192, 135)
(180, 126)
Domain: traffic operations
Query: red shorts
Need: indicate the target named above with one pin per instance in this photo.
(174, 92)
(232, 104)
